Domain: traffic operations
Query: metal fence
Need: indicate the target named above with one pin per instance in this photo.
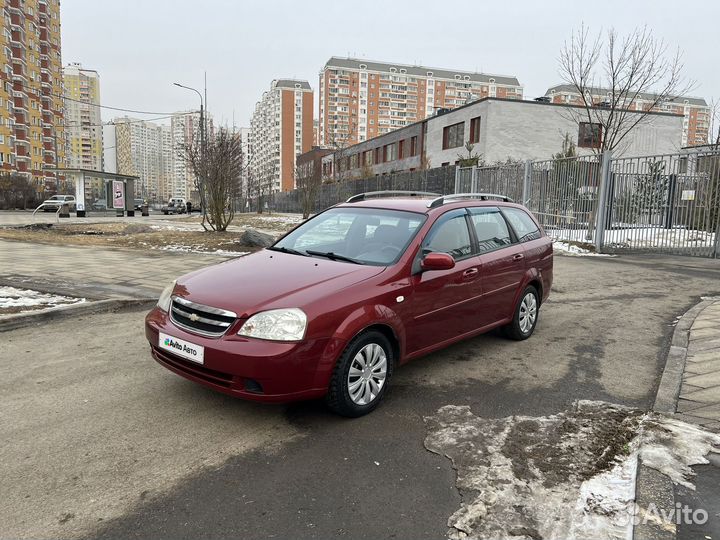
(664, 204)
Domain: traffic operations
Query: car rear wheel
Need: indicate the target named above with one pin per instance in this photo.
(361, 375)
(525, 316)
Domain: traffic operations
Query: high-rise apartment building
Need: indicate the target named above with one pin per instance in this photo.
(83, 124)
(246, 146)
(281, 129)
(144, 149)
(361, 99)
(32, 138)
(184, 128)
(696, 112)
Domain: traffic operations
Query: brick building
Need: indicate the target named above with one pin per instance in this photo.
(695, 111)
(281, 129)
(361, 99)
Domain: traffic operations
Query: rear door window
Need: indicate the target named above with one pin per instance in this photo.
(523, 224)
(491, 229)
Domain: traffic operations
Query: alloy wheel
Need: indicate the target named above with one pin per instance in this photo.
(528, 313)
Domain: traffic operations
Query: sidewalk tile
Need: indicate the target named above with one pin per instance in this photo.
(706, 396)
(686, 405)
(703, 356)
(704, 333)
(710, 412)
(701, 346)
(702, 367)
(706, 380)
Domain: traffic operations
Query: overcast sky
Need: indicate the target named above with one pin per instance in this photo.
(140, 47)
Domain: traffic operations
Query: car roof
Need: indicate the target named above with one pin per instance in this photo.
(420, 204)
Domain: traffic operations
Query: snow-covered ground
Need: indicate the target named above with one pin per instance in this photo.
(569, 475)
(572, 249)
(195, 249)
(644, 237)
(14, 300)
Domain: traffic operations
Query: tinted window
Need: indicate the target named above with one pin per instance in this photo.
(522, 223)
(450, 236)
(490, 228)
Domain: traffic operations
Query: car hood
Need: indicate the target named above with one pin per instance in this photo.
(269, 280)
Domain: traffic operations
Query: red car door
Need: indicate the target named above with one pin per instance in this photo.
(445, 302)
(501, 261)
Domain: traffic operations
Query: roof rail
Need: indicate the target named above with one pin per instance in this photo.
(482, 196)
(375, 194)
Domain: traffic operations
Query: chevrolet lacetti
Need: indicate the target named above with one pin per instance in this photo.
(335, 305)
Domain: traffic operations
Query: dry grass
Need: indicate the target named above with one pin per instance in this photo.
(134, 236)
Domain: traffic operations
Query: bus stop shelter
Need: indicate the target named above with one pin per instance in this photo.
(119, 189)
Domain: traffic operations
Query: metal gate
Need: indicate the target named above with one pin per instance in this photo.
(661, 204)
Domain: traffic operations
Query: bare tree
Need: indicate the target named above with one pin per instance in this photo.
(217, 169)
(307, 182)
(625, 71)
(16, 191)
(714, 132)
(340, 142)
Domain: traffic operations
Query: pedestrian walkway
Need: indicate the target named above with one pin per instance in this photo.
(124, 270)
(699, 400)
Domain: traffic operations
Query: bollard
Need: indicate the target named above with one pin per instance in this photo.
(131, 213)
(119, 212)
(65, 210)
(145, 210)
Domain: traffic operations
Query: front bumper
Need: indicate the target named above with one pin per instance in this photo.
(235, 365)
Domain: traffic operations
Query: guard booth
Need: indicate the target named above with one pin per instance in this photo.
(118, 190)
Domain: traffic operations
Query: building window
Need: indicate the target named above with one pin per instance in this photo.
(475, 130)
(413, 146)
(402, 149)
(589, 135)
(368, 157)
(378, 155)
(453, 135)
(390, 152)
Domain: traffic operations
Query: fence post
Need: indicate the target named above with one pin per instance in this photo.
(457, 178)
(473, 179)
(526, 183)
(601, 210)
(717, 240)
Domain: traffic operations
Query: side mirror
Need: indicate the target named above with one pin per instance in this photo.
(437, 261)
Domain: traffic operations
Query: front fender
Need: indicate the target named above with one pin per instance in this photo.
(354, 323)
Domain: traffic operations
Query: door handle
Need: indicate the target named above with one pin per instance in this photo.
(470, 272)
(518, 257)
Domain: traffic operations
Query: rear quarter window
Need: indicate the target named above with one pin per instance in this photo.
(522, 223)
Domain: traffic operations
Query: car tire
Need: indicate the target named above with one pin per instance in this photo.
(525, 316)
(358, 393)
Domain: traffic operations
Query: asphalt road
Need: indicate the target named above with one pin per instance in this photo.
(101, 442)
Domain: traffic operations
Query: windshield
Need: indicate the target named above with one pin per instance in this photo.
(362, 235)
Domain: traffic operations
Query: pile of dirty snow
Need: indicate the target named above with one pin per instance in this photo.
(572, 249)
(569, 475)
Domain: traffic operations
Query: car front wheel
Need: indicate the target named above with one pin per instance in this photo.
(525, 316)
(361, 375)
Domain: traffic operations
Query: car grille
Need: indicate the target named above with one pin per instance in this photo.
(200, 319)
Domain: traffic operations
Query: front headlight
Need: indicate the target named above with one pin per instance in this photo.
(166, 297)
(276, 325)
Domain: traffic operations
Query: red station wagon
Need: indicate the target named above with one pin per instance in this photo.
(335, 305)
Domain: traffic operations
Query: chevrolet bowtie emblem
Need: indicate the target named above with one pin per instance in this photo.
(193, 317)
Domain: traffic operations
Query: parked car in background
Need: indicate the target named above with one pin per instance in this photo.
(334, 306)
(176, 205)
(138, 204)
(56, 201)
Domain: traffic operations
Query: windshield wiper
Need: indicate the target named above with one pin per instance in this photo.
(333, 256)
(287, 250)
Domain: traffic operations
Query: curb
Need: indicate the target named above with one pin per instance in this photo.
(27, 319)
(652, 486)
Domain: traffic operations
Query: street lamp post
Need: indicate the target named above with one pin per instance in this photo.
(202, 121)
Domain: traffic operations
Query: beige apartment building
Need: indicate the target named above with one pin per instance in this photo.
(83, 123)
(361, 99)
(280, 130)
(32, 138)
(695, 111)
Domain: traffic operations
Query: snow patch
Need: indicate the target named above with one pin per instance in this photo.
(14, 300)
(569, 475)
(572, 249)
(193, 249)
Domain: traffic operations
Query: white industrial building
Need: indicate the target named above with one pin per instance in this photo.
(500, 129)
